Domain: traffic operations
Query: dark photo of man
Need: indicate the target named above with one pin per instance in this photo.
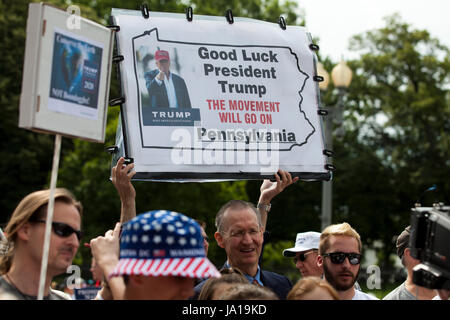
(166, 89)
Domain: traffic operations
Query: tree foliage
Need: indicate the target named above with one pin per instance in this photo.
(401, 93)
(24, 153)
(397, 139)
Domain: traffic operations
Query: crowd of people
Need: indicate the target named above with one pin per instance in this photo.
(162, 254)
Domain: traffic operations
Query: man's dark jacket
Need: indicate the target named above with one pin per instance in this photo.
(279, 284)
(158, 94)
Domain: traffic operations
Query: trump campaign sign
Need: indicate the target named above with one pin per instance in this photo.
(212, 100)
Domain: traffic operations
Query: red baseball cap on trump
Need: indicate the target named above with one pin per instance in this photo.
(162, 55)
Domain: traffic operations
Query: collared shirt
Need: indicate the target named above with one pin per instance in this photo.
(257, 277)
(170, 89)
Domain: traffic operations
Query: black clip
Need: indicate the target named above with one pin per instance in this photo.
(117, 59)
(144, 11)
(189, 14)
(328, 153)
(116, 102)
(282, 22)
(322, 112)
(128, 161)
(330, 167)
(318, 78)
(114, 28)
(112, 149)
(229, 16)
(314, 47)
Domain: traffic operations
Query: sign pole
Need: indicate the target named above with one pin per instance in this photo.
(48, 225)
(327, 186)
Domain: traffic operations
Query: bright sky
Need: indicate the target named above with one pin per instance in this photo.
(336, 21)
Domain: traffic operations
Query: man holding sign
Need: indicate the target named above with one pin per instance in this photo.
(166, 89)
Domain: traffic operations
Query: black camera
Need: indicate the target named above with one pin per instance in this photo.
(429, 242)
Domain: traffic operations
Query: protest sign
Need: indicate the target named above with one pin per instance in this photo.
(86, 293)
(66, 74)
(206, 99)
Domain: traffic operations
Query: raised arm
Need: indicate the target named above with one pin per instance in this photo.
(271, 189)
(121, 178)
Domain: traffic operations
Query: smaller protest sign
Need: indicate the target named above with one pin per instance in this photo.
(66, 74)
(86, 293)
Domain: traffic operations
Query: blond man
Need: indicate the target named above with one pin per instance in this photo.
(340, 256)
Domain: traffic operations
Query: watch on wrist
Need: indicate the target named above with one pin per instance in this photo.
(265, 207)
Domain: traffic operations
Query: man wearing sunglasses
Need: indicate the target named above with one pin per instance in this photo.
(305, 254)
(340, 256)
(20, 267)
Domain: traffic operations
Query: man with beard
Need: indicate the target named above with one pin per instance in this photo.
(20, 266)
(340, 257)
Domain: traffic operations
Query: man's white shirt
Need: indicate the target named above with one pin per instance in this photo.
(359, 295)
(170, 89)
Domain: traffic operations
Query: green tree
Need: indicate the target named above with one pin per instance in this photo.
(267, 10)
(397, 131)
(25, 153)
(403, 77)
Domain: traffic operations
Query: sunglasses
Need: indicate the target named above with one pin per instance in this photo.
(339, 257)
(302, 256)
(63, 230)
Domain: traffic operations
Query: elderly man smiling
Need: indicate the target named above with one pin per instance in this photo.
(240, 233)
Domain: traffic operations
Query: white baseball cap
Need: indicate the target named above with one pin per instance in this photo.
(305, 241)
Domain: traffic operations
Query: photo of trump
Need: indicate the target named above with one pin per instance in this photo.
(166, 89)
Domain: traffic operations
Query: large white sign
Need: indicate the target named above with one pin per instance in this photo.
(211, 100)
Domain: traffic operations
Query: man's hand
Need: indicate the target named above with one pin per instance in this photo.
(270, 189)
(160, 76)
(105, 250)
(444, 294)
(121, 176)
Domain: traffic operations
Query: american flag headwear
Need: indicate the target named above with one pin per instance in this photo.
(163, 243)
